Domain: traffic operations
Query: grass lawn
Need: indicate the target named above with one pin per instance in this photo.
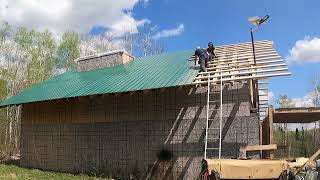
(9, 172)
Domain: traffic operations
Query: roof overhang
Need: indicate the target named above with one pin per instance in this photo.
(296, 115)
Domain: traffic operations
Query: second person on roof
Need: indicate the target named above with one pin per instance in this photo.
(203, 58)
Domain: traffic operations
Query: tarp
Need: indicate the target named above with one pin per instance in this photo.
(247, 169)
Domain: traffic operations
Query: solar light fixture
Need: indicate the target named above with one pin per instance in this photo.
(256, 21)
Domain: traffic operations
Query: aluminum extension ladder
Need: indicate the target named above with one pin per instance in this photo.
(219, 129)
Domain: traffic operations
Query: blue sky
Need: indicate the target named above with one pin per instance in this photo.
(226, 22)
(184, 24)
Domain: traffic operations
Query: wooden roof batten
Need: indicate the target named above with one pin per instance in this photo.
(235, 63)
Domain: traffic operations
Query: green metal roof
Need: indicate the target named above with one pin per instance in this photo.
(165, 70)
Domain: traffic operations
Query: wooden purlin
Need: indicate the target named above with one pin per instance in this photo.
(260, 46)
(242, 73)
(236, 63)
(244, 78)
(246, 68)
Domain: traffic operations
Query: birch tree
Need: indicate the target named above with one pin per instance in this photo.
(98, 44)
(27, 58)
(68, 50)
(146, 42)
(285, 102)
(315, 92)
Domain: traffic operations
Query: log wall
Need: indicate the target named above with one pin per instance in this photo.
(157, 134)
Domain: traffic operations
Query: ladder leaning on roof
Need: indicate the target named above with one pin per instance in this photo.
(209, 102)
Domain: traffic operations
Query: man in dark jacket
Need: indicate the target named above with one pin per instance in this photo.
(203, 58)
(210, 50)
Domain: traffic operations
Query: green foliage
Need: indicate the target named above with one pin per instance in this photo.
(42, 55)
(24, 37)
(297, 143)
(5, 31)
(3, 92)
(285, 102)
(68, 50)
(14, 172)
(27, 58)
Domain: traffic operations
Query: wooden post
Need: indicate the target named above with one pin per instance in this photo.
(270, 115)
(260, 137)
(251, 93)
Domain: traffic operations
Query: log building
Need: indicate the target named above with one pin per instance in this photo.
(148, 117)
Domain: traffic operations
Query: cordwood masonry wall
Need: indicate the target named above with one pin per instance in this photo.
(158, 134)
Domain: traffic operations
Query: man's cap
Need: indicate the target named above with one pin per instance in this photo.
(210, 44)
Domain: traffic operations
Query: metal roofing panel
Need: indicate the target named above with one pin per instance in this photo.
(164, 70)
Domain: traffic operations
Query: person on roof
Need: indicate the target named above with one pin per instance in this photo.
(210, 51)
(203, 58)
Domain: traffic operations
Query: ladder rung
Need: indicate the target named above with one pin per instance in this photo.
(213, 148)
(215, 101)
(263, 82)
(215, 92)
(214, 109)
(214, 128)
(263, 94)
(214, 138)
(210, 119)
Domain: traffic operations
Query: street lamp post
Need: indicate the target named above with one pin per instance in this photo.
(253, 49)
(256, 22)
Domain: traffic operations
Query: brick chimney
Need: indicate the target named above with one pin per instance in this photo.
(107, 59)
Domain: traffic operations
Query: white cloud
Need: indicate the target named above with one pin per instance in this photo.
(305, 51)
(305, 101)
(170, 32)
(76, 15)
(270, 96)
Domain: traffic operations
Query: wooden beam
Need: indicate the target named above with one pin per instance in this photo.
(244, 56)
(244, 68)
(245, 149)
(260, 136)
(245, 45)
(241, 48)
(263, 94)
(222, 56)
(314, 156)
(248, 51)
(244, 78)
(263, 89)
(258, 147)
(242, 51)
(263, 82)
(245, 59)
(205, 76)
(270, 115)
(311, 159)
(235, 72)
(268, 62)
(218, 69)
(258, 60)
(248, 43)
